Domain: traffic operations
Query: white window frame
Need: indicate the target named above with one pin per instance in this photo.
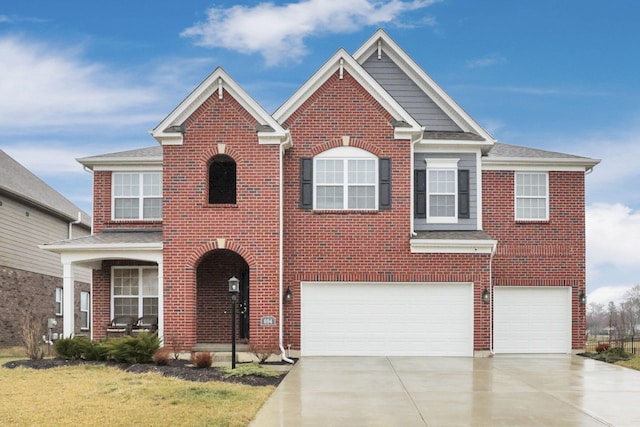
(140, 197)
(85, 305)
(141, 295)
(346, 154)
(58, 302)
(442, 164)
(529, 197)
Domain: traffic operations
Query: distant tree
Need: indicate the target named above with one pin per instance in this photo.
(597, 319)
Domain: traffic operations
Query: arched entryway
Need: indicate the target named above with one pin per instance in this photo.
(213, 321)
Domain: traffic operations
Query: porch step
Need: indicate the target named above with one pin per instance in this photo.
(219, 348)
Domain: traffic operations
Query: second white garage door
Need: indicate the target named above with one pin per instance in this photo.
(532, 319)
(386, 319)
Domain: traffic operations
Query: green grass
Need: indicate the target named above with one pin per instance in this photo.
(100, 395)
(250, 369)
(633, 363)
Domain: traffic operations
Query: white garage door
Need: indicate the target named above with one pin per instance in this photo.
(532, 320)
(386, 319)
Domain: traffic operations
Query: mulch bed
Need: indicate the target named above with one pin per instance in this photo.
(181, 369)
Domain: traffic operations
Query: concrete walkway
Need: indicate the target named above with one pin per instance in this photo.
(429, 391)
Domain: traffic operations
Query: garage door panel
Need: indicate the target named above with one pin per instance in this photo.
(532, 319)
(359, 319)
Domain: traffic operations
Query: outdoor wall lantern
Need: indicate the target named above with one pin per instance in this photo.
(582, 298)
(486, 296)
(234, 289)
(288, 295)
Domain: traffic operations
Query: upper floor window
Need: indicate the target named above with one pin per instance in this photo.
(442, 190)
(222, 180)
(532, 196)
(137, 196)
(134, 291)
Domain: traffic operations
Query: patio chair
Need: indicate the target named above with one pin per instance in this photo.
(148, 323)
(120, 325)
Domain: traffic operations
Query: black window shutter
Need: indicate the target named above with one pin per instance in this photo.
(420, 193)
(384, 177)
(464, 210)
(306, 183)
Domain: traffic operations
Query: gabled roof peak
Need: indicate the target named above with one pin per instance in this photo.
(170, 131)
(380, 42)
(341, 61)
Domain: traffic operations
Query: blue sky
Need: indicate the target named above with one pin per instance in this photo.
(82, 78)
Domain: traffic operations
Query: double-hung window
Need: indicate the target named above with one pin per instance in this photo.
(84, 310)
(137, 196)
(345, 178)
(134, 291)
(442, 190)
(58, 304)
(532, 196)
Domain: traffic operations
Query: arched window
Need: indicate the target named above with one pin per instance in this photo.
(222, 180)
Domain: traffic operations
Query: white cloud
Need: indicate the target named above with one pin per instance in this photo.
(613, 233)
(47, 160)
(487, 61)
(44, 87)
(4, 18)
(278, 32)
(605, 294)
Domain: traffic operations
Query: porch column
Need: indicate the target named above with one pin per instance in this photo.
(68, 312)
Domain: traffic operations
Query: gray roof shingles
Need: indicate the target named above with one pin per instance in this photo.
(18, 181)
(109, 237)
(501, 150)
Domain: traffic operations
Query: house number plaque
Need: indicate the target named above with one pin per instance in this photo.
(268, 321)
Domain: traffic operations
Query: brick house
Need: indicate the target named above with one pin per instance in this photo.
(31, 279)
(369, 215)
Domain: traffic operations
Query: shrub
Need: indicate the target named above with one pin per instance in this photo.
(246, 369)
(74, 348)
(31, 331)
(138, 349)
(202, 359)
(602, 346)
(162, 356)
(262, 353)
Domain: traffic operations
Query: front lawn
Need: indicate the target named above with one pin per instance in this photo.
(102, 395)
(633, 363)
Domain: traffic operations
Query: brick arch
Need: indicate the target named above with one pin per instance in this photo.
(203, 250)
(214, 151)
(352, 142)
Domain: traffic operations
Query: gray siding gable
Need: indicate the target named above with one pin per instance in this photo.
(407, 93)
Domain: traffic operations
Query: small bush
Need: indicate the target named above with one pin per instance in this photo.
(246, 369)
(31, 331)
(602, 346)
(138, 349)
(74, 348)
(162, 356)
(262, 353)
(202, 359)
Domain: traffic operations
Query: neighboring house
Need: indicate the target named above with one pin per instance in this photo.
(31, 212)
(369, 215)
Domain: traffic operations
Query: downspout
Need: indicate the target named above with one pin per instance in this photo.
(412, 231)
(281, 251)
(493, 252)
(71, 224)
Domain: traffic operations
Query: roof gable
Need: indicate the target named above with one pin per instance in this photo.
(381, 44)
(405, 125)
(170, 130)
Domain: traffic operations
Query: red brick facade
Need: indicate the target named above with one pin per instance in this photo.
(548, 253)
(205, 244)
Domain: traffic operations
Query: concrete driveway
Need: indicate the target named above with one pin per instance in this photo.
(430, 391)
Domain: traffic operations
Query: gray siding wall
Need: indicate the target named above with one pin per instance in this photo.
(23, 228)
(467, 161)
(408, 94)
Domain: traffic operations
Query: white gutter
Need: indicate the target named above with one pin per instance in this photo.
(493, 252)
(281, 251)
